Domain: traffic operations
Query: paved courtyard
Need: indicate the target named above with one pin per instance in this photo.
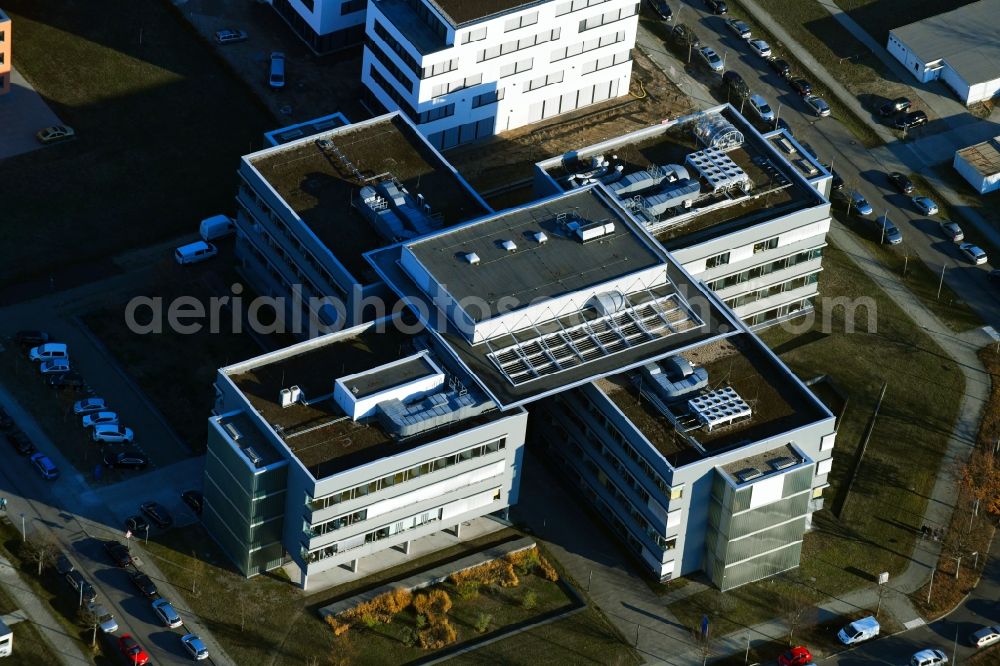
(22, 113)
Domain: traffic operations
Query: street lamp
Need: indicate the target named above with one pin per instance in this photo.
(24, 533)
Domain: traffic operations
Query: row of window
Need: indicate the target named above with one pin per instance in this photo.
(765, 245)
(397, 48)
(518, 45)
(608, 17)
(455, 86)
(335, 524)
(438, 112)
(782, 312)
(576, 5)
(522, 21)
(773, 290)
(388, 64)
(374, 535)
(605, 62)
(517, 67)
(477, 35)
(290, 265)
(491, 97)
(401, 476)
(439, 68)
(763, 269)
(587, 45)
(542, 81)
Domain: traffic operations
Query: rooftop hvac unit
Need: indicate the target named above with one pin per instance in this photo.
(253, 456)
(472, 258)
(784, 462)
(233, 431)
(298, 395)
(508, 245)
(540, 237)
(748, 474)
(286, 398)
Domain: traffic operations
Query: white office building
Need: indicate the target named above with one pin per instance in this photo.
(466, 70)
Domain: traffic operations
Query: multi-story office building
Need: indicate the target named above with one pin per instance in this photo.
(465, 70)
(5, 52)
(324, 25)
(308, 209)
(746, 213)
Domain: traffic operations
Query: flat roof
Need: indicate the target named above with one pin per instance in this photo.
(562, 264)
(467, 11)
(387, 376)
(768, 463)
(966, 38)
(320, 187)
(984, 157)
(775, 192)
(251, 437)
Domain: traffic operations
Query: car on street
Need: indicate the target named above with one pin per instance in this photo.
(711, 58)
(21, 443)
(796, 656)
(738, 27)
(894, 106)
(973, 253)
(68, 380)
(55, 366)
(48, 352)
(229, 36)
(801, 86)
(760, 47)
(925, 205)
(780, 67)
(55, 134)
(859, 630)
(761, 108)
(952, 232)
(46, 468)
(62, 564)
(166, 613)
(859, 203)
(80, 586)
(157, 513)
(89, 406)
(137, 525)
(929, 657)
(909, 120)
(276, 70)
(901, 182)
(194, 499)
(682, 34)
(194, 252)
(132, 651)
(661, 9)
(735, 83)
(126, 460)
(985, 637)
(118, 552)
(31, 338)
(112, 434)
(142, 582)
(99, 418)
(888, 232)
(105, 620)
(818, 105)
(717, 7)
(194, 646)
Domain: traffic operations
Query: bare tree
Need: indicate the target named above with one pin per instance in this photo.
(40, 549)
(795, 607)
(88, 618)
(703, 643)
(981, 477)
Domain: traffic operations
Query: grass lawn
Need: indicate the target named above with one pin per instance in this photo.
(883, 513)
(30, 649)
(161, 124)
(277, 619)
(878, 17)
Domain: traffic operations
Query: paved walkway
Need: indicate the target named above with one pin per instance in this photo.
(63, 645)
(22, 113)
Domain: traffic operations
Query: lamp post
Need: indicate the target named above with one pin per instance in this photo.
(24, 533)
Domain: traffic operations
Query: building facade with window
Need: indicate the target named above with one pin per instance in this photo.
(324, 25)
(6, 63)
(467, 70)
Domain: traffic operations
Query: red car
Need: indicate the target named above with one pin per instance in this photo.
(797, 656)
(133, 653)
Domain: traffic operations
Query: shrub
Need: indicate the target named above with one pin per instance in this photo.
(381, 609)
(437, 635)
(369, 620)
(524, 561)
(435, 605)
(499, 572)
(421, 620)
(468, 589)
(409, 637)
(339, 628)
(483, 622)
(548, 571)
(529, 600)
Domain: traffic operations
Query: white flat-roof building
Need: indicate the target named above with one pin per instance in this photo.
(960, 47)
(466, 70)
(980, 165)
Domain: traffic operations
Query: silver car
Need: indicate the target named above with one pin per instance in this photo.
(99, 418)
(89, 405)
(986, 636)
(166, 613)
(859, 203)
(818, 105)
(105, 620)
(112, 434)
(925, 205)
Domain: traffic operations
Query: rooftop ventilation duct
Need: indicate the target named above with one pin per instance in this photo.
(675, 377)
(607, 302)
(472, 258)
(508, 245)
(540, 237)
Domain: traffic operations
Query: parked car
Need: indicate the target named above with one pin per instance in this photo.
(888, 232)
(859, 203)
(735, 83)
(63, 565)
(711, 58)
(137, 524)
(21, 443)
(195, 252)
(985, 637)
(118, 552)
(46, 468)
(105, 620)
(229, 36)
(143, 583)
(929, 657)
(131, 650)
(81, 586)
(716, 6)
(6, 423)
(56, 366)
(682, 34)
(952, 232)
(166, 613)
(194, 646)
(48, 352)
(55, 134)
(801, 86)
(217, 226)
(973, 253)
(89, 405)
(112, 434)
(99, 418)
(818, 105)
(762, 108)
(31, 338)
(276, 70)
(925, 205)
(902, 183)
(859, 630)
(760, 47)
(797, 656)
(739, 28)
(126, 459)
(780, 67)
(912, 119)
(661, 9)
(68, 380)
(194, 499)
(157, 513)
(894, 106)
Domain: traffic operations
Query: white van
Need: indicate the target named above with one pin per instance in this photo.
(195, 252)
(859, 630)
(6, 640)
(49, 351)
(216, 226)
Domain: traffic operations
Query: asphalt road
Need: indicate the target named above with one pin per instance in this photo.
(861, 169)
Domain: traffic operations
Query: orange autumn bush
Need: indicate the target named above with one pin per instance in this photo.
(434, 605)
(437, 635)
(381, 609)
